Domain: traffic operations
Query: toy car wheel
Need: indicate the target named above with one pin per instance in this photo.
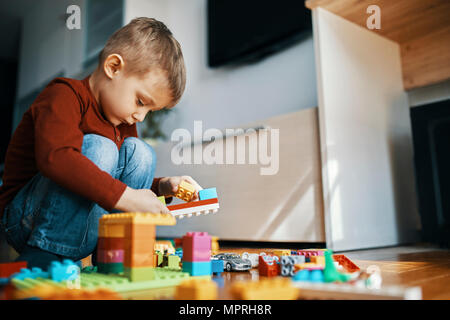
(228, 267)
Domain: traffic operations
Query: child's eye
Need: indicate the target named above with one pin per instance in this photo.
(140, 103)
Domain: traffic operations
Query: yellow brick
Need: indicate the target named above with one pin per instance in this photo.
(111, 230)
(277, 288)
(185, 191)
(160, 219)
(306, 265)
(214, 245)
(196, 289)
(320, 260)
(280, 253)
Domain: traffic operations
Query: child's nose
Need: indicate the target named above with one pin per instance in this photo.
(139, 116)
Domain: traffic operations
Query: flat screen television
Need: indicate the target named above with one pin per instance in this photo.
(246, 31)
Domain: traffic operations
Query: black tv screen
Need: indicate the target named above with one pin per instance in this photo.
(243, 31)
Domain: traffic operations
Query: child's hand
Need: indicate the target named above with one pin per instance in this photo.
(168, 186)
(140, 200)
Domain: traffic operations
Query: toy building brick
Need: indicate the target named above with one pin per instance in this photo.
(268, 266)
(197, 253)
(127, 241)
(185, 191)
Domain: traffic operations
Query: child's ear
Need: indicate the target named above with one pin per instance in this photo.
(114, 63)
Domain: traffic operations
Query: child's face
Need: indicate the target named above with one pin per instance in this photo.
(126, 99)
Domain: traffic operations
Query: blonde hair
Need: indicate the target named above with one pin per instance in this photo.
(145, 43)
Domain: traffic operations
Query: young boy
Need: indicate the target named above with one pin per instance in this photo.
(75, 155)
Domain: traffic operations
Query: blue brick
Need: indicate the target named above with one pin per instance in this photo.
(217, 266)
(206, 194)
(316, 276)
(30, 274)
(202, 268)
(302, 275)
(67, 270)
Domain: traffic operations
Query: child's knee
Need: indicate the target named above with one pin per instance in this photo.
(100, 150)
(142, 153)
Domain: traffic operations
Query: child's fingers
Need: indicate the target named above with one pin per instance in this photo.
(193, 182)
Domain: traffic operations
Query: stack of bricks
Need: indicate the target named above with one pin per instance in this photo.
(288, 264)
(197, 254)
(128, 241)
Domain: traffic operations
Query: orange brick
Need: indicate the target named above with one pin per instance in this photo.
(139, 253)
(140, 231)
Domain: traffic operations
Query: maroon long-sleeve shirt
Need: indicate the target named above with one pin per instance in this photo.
(49, 140)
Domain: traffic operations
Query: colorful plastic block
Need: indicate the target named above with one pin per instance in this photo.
(159, 258)
(159, 219)
(196, 208)
(173, 261)
(110, 256)
(268, 266)
(265, 289)
(308, 266)
(164, 245)
(309, 275)
(162, 199)
(110, 230)
(185, 191)
(301, 275)
(253, 257)
(34, 273)
(196, 247)
(348, 265)
(140, 273)
(67, 270)
(206, 194)
(288, 264)
(319, 260)
(117, 283)
(202, 268)
(196, 289)
(179, 252)
(217, 266)
(140, 231)
(311, 252)
(330, 273)
(7, 269)
(214, 245)
(114, 268)
(111, 243)
(281, 253)
(46, 291)
(138, 253)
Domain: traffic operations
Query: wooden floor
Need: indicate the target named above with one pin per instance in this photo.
(418, 265)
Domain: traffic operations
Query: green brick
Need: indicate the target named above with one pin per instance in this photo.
(139, 273)
(120, 283)
(110, 267)
(162, 199)
(174, 262)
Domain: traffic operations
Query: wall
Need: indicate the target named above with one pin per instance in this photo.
(47, 48)
(228, 97)
(367, 161)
